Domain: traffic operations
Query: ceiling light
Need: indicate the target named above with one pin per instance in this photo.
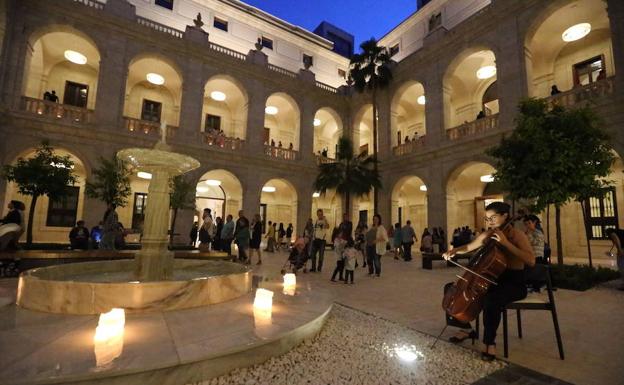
(271, 110)
(316, 195)
(217, 95)
(201, 189)
(213, 182)
(487, 178)
(144, 175)
(75, 57)
(317, 122)
(155, 79)
(576, 32)
(423, 187)
(421, 100)
(268, 189)
(486, 72)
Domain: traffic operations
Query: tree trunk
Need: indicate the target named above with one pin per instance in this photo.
(558, 230)
(31, 216)
(589, 253)
(548, 224)
(173, 223)
(375, 190)
(347, 208)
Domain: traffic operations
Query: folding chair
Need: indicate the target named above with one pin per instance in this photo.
(540, 273)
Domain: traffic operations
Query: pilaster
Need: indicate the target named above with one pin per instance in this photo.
(257, 96)
(192, 101)
(110, 97)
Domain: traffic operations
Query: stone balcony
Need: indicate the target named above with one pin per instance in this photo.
(221, 142)
(479, 126)
(409, 147)
(56, 111)
(583, 94)
(280, 153)
(147, 127)
(320, 159)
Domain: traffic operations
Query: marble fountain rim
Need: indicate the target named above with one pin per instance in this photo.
(184, 163)
(75, 297)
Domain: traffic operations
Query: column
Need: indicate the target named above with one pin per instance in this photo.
(383, 126)
(304, 206)
(384, 207)
(257, 96)
(16, 56)
(252, 189)
(306, 130)
(615, 9)
(110, 97)
(192, 103)
(435, 108)
(437, 199)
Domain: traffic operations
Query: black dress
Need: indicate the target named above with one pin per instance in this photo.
(256, 236)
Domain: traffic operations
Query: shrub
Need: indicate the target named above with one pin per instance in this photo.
(581, 277)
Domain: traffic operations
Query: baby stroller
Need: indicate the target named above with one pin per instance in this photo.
(298, 257)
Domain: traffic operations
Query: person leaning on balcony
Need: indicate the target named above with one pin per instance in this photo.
(407, 139)
(617, 237)
(290, 146)
(554, 90)
(53, 97)
(481, 115)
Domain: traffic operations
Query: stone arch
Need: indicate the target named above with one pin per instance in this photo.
(409, 201)
(328, 128)
(284, 120)
(232, 111)
(407, 112)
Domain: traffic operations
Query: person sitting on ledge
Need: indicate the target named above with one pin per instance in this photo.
(79, 236)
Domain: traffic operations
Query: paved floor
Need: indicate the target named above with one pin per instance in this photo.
(591, 321)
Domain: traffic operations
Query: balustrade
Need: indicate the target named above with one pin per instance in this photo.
(479, 126)
(56, 111)
(280, 152)
(409, 147)
(584, 93)
(221, 141)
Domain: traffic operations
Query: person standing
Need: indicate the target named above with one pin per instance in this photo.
(379, 239)
(227, 234)
(79, 236)
(617, 238)
(319, 239)
(241, 234)
(346, 227)
(397, 240)
(270, 237)
(217, 243)
(426, 245)
(289, 233)
(350, 254)
(408, 237)
(256, 238)
(110, 228)
(193, 233)
(281, 233)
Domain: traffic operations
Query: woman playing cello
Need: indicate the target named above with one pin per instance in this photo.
(511, 285)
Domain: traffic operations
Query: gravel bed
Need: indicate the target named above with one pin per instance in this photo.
(357, 348)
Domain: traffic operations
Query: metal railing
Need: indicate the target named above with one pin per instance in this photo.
(222, 141)
(160, 27)
(56, 111)
(280, 152)
(227, 51)
(147, 127)
(479, 126)
(584, 93)
(282, 71)
(91, 3)
(409, 147)
(326, 87)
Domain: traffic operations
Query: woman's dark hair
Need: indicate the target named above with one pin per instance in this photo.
(397, 225)
(532, 218)
(425, 232)
(499, 208)
(378, 217)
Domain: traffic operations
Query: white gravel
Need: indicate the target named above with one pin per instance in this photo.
(357, 348)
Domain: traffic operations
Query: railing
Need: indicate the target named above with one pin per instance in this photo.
(147, 126)
(160, 27)
(476, 127)
(320, 159)
(327, 87)
(280, 153)
(227, 51)
(91, 3)
(222, 141)
(282, 71)
(409, 147)
(584, 93)
(56, 111)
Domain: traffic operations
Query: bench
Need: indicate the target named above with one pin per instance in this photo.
(428, 258)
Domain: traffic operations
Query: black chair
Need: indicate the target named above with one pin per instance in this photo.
(539, 273)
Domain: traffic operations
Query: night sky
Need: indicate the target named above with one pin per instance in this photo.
(361, 18)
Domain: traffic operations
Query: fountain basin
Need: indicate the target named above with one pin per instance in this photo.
(96, 287)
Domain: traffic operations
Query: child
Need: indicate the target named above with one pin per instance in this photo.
(350, 255)
(339, 245)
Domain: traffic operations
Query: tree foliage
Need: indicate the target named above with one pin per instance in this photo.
(349, 174)
(110, 182)
(181, 197)
(46, 173)
(554, 155)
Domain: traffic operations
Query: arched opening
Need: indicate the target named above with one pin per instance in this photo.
(569, 48)
(465, 83)
(224, 113)
(409, 202)
(363, 130)
(278, 204)
(53, 219)
(281, 126)
(327, 131)
(469, 189)
(61, 75)
(153, 94)
(221, 192)
(331, 204)
(408, 126)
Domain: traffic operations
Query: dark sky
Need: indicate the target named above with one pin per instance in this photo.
(362, 18)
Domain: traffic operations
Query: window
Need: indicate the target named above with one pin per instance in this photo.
(62, 212)
(220, 24)
(213, 122)
(308, 60)
(589, 71)
(75, 94)
(342, 73)
(151, 111)
(394, 50)
(165, 3)
(267, 43)
(601, 214)
(138, 211)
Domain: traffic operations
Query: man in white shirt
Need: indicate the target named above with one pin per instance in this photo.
(319, 239)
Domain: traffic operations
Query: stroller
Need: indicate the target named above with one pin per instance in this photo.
(298, 257)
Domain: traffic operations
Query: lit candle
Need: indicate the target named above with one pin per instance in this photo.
(108, 338)
(263, 302)
(290, 284)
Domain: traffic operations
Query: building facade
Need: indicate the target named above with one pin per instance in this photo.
(230, 103)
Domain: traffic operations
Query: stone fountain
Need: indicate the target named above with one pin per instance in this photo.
(154, 281)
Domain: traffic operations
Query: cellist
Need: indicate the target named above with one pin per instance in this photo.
(511, 285)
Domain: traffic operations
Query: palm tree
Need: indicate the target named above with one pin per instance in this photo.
(348, 174)
(370, 71)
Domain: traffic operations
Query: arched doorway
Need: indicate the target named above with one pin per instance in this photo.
(409, 202)
(408, 116)
(327, 131)
(331, 204)
(221, 192)
(224, 112)
(281, 126)
(278, 204)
